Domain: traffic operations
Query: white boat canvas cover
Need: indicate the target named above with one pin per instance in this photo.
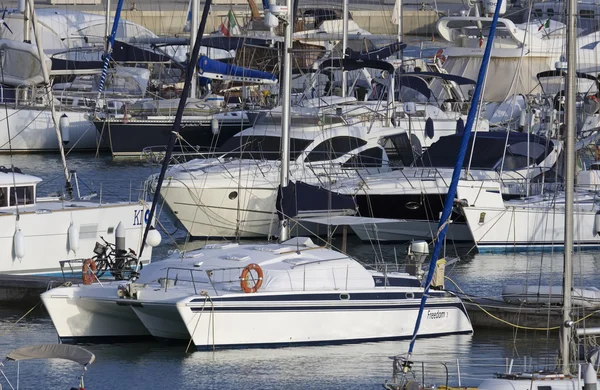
(21, 64)
(53, 351)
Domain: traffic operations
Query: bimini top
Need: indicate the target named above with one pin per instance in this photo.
(489, 151)
(53, 351)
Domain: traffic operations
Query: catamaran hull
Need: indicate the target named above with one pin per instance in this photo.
(92, 318)
(251, 323)
(32, 130)
(46, 230)
(162, 321)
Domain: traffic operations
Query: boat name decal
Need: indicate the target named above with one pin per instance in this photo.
(436, 315)
(139, 217)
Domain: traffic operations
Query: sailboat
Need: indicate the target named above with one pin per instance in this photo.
(586, 376)
(230, 295)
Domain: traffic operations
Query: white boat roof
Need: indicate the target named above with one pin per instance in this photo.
(11, 179)
(294, 265)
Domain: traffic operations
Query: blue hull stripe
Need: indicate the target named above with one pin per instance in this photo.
(328, 342)
(502, 247)
(322, 297)
(378, 307)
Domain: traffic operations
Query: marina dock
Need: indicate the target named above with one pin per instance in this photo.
(24, 289)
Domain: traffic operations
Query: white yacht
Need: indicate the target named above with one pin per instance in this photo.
(231, 295)
(332, 138)
(405, 204)
(36, 233)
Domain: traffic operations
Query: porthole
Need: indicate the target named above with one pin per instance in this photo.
(412, 205)
(344, 296)
(410, 295)
(233, 195)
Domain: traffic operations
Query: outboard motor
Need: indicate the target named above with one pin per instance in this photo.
(417, 253)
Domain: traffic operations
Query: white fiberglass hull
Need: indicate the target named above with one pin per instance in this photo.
(311, 318)
(91, 313)
(532, 223)
(32, 130)
(407, 230)
(45, 227)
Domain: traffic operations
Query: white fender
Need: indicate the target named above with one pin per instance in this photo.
(153, 238)
(19, 244)
(63, 124)
(73, 236)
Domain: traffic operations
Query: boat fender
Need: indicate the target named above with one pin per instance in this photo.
(19, 244)
(589, 378)
(64, 125)
(460, 126)
(246, 279)
(87, 271)
(429, 128)
(153, 238)
(597, 222)
(214, 126)
(73, 234)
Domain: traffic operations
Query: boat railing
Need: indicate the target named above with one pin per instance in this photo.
(443, 374)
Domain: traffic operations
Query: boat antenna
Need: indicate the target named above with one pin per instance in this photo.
(570, 134)
(449, 202)
(189, 70)
(50, 96)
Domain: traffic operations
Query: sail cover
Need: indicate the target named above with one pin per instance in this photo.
(212, 69)
(20, 64)
(53, 351)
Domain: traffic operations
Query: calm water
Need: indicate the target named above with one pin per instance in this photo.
(363, 366)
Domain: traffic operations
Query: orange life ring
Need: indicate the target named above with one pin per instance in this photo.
(244, 281)
(87, 271)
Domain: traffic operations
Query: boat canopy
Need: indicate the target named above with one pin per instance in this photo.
(355, 64)
(53, 351)
(489, 151)
(208, 66)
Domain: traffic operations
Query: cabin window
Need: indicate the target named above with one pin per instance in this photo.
(367, 158)
(586, 14)
(21, 195)
(334, 148)
(259, 147)
(544, 387)
(550, 12)
(3, 197)
(538, 13)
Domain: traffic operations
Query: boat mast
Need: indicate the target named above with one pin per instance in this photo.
(570, 121)
(174, 134)
(109, 47)
(344, 48)
(49, 94)
(286, 81)
(107, 26)
(193, 37)
(460, 159)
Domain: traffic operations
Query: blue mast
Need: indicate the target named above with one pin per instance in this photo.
(109, 47)
(443, 225)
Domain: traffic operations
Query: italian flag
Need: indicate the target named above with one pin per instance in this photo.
(545, 25)
(232, 26)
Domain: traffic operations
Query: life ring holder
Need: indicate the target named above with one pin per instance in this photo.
(88, 271)
(244, 278)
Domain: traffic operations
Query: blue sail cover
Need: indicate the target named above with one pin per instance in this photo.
(206, 65)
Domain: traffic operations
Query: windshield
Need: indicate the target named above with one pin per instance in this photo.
(261, 147)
